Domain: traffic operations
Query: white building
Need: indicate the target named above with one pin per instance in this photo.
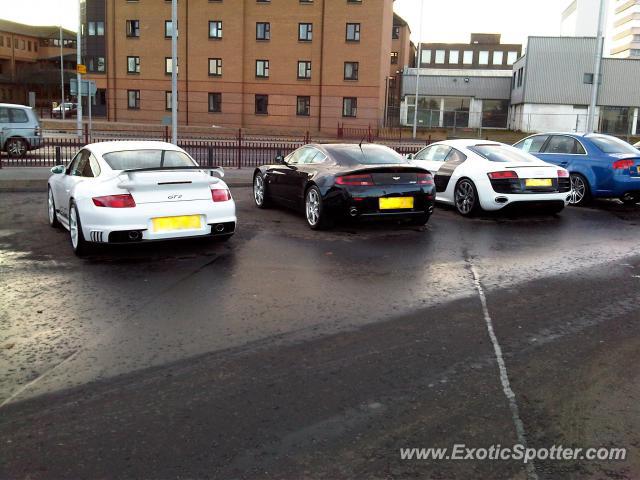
(625, 34)
(580, 18)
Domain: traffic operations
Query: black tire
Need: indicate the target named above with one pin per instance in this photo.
(419, 220)
(16, 147)
(51, 207)
(263, 200)
(81, 247)
(580, 191)
(315, 213)
(465, 198)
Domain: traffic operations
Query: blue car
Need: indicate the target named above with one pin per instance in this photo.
(600, 166)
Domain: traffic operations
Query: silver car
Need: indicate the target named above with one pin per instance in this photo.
(19, 129)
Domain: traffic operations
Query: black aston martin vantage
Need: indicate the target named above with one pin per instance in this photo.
(348, 180)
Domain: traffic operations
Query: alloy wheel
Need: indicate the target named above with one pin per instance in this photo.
(52, 208)
(578, 190)
(16, 147)
(465, 197)
(258, 190)
(73, 226)
(313, 207)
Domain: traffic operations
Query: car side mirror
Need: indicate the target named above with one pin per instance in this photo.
(410, 156)
(58, 169)
(217, 172)
(279, 160)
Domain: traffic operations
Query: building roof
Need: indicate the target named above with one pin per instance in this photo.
(398, 21)
(39, 31)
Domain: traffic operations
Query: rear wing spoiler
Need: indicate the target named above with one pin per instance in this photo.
(131, 183)
(212, 170)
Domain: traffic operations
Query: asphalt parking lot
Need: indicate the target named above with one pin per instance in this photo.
(287, 353)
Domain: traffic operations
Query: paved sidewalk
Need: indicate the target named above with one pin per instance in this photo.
(34, 179)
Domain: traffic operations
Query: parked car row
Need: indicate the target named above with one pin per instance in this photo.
(119, 192)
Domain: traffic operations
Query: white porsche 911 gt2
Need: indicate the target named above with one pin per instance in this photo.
(475, 175)
(128, 191)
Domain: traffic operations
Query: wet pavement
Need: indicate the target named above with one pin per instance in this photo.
(288, 353)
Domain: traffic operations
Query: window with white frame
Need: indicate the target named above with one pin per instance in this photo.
(215, 29)
(262, 68)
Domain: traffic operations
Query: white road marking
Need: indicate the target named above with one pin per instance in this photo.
(504, 377)
(26, 386)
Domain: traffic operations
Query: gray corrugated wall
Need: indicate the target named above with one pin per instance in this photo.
(495, 88)
(555, 70)
(620, 83)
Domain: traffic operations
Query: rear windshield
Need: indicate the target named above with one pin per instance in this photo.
(612, 145)
(130, 159)
(368, 155)
(502, 153)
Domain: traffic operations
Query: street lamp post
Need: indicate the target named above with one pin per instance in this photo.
(61, 77)
(174, 72)
(419, 54)
(78, 76)
(596, 70)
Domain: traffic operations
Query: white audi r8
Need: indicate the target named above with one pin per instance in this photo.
(475, 175)
(127, 191)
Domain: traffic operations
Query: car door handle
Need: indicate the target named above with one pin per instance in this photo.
(564, 164)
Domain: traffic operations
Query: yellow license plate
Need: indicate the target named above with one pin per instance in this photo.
(184, 222)
(395, 203)
(538, 182)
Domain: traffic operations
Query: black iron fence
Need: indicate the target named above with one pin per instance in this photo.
(232, 151)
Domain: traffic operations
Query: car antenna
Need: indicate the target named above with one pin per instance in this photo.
(360, 145)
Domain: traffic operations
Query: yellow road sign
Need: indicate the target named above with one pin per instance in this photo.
(81, 69)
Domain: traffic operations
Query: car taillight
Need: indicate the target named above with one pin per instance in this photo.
(425, 179)
(115, 201)
(502, 175)
(220, 194)
(357, 180)
(623, 164)
(563, 174)
(36, 132)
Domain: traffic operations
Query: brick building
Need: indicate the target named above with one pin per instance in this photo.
(30, 62)
(289, 64)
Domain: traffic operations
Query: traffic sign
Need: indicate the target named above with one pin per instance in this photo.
(81, 69)
(87, 87)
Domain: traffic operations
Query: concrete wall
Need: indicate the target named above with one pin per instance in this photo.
(537, 118)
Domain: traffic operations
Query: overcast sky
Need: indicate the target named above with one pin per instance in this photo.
(453, 20)
(444, 20)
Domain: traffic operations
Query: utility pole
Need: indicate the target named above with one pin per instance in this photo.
(419, 54)
(78, 76)
(61, 77)
(596, 70)
(174, 71)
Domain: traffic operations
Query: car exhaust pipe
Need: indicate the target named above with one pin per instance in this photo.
(353, 211)
(135, 235)
(219, 228)
(501, 199)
